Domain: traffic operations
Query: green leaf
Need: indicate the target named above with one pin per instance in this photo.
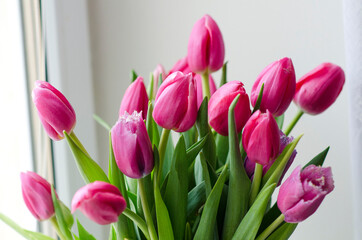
(168, 158)
(205, 175)
(192, 151)
(283, 232)
(25, 233)
(102, 122)
(133, 75)
(188, 232)
(190, 136)
(203, 128)
(222, 148)
(319, 159)
(280, 121)
(258, 101)
(132, 197)
(207, 223)
(87, 167)
(249, 226)
(223, 74)
(83, 234)
(163, 219)
(68, 217)
(112, 234)
(150, 87)
(239, 182)
(177, 189)
(60, 217)
(196, 197)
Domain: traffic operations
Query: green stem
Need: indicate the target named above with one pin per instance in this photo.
(255, 185)
(293, 122)
(271, 228)
(137, 220)
(205, 85)
(162, 149)
(146, 210)
(54, 222)
(79, 144)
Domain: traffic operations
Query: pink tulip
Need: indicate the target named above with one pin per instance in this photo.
(99, 201)
(318, 89)
(176, 103)
(55, 112)
(279, 87)
(219, 106)
(156, 75)
(181, 66)
(135, 99)
(302, 193)
(37, 195)
(205, 51)
(261, 139)
(199, 88)
(132, 146)
(284, 141)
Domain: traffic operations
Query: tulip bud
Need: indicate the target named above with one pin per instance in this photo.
(135, 99)
(284, 141)
(37, 195)
(279, 87)
(303, 191)
(199, 88)
(156, 75)
(205, 51)
(181, 66)
(261, 139)
(219, 106)
(99, 201)
(55, 112)
(176, 103)
(132, 146)
(319, 88)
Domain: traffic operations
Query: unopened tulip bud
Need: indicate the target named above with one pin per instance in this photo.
(176, 103)
(135, 99)
(132, 146)
(199, 88)
(205, 51)
(219, 106)
(37, 195)
(55, 112)
(261, 139)
(156, 75)
(318, 89)
(279, 87)
(99, 201)
(181, 66)
(303, 191)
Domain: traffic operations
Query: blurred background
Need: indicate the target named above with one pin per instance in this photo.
(87, 50)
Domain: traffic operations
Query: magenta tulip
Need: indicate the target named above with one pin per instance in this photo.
(261, 139)
(156, 77)
(135, 99)
(318, 89)
(37, 195)
(99, 201)
(302, 193)
(219, 106)
(199, 88)
(176, 103)
(205, 51)
(181, 66)
(132, 146)
(55, 112)
(279, 87)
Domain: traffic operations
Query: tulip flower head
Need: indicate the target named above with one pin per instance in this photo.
(279, 87)
(302, 193)
(37, 195)
(132, 146)
(99, 201)
(135, 99)
(261, 139)
(319, 89)
(219, 105)
(55, 112)
(176, 102)
(205, 51)
(181, 66)
(199, 88)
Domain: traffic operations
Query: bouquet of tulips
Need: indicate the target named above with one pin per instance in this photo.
(214, 178)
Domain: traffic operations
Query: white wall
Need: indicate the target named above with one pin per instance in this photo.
(141, 34)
